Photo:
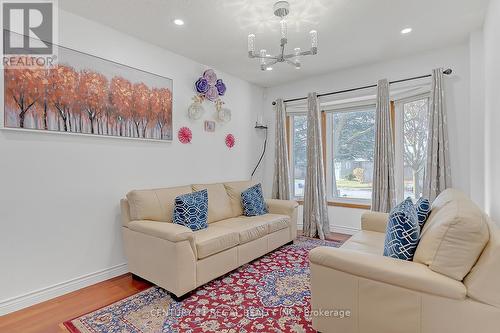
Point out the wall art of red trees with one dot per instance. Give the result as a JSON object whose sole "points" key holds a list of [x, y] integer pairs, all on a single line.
{"points": [[63, 99]]}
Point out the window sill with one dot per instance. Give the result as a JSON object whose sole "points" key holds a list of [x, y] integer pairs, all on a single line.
{"points": [[342, 204]]}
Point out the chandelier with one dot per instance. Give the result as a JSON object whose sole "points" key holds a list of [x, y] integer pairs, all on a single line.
{"points": [[281, 9]]}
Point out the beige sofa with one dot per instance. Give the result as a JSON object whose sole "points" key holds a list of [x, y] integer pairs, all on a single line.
{"points": [[452, 285], [179, 260]]}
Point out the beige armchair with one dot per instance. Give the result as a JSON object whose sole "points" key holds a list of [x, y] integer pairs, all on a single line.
{"points": [[452, 285]]}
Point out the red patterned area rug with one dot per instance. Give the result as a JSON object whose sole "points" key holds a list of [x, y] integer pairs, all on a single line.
{"points": [[270, 294]]}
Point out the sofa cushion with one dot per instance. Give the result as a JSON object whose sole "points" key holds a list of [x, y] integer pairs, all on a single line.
{"points": [[367, 242], [154, 204], [403, 232], [219, 204], [253, 227], [454, 235], [277, 222], [253, 202], [248, 229], [234, 190], [191, 210], [213, 240], [423, 208]]}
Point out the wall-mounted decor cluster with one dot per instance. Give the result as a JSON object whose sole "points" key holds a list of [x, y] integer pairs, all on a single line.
{"points": [[209, 88], [84, 94]]}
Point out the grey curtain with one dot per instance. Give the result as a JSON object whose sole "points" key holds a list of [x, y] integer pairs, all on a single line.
{"points": [[281, 179], [437, 171], [384, 194], [316, 222]]}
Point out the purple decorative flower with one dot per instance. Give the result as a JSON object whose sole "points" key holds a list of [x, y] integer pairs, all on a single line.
{"points": [[210, 76], [201, 85], [212, 93], [221, 87]]}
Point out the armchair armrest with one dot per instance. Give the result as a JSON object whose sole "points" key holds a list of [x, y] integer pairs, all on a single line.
{"points": [[374, 221], [168, 231], [404, 274], [284, 207]]}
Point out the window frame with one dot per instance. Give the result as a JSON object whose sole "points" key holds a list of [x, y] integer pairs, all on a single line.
{"points": [[328, 146], [398, 137], [290, 136], [327, 141]]}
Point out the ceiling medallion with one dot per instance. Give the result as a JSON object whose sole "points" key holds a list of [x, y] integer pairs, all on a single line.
{"points": [[281, 9]]}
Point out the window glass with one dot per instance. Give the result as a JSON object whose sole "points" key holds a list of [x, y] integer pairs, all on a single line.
{"points": [[353, 144], [299, 165], [415, 132]]}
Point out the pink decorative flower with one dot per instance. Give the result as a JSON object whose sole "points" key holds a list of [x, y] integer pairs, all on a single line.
{"points": [[210, 76], [212, 93], [185, 135], [230, 141]]}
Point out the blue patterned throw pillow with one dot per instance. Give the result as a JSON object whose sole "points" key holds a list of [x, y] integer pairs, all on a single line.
{"points": [[423, 208], [253, 202], [403, 232], [191, 210]]}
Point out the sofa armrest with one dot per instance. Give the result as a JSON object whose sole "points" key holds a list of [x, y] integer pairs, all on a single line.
{"points": [[374, 221], [283, 207], [168, 231], [404, 274]]}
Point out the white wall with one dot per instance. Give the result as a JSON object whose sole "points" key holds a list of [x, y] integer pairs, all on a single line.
{"points": [[457, 87], [492, 104], [59, 194], [477, 118]]}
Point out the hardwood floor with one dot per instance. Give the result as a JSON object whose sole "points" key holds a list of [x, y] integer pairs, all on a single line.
{"points": [[47, 317]]}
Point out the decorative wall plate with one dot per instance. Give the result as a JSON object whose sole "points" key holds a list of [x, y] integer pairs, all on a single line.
{"points": [[224, 115], [195, 111], [230, 141], [185, 135]]}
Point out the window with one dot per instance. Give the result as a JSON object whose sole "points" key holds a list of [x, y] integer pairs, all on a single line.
{"points": [[411, 145], [350, 143], [298, 153]]}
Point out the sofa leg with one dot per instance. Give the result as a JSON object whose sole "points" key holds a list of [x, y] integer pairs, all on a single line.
{"points": [[179, 299], [137, 277]]}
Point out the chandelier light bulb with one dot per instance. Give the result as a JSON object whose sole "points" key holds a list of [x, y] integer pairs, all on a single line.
{"points": [[263, 57], [251, 43], [297, 56], [314, 39]]}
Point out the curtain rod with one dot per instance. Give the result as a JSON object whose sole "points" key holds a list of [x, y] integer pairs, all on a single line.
{"points": [[446, 71]]}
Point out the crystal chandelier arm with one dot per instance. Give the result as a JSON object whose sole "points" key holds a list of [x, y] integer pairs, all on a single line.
{"points": [[272, 62], [303, 53], [264, 57]]}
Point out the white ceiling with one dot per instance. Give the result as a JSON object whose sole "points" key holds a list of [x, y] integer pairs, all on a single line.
{"points": [[350, 32]]}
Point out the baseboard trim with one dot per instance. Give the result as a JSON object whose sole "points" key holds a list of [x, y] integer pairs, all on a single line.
{"points": [[336, 228], [19, 302], [344, 230]]}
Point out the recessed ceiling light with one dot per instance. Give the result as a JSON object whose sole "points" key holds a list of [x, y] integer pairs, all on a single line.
{"points": [[178, 22], [269, 68], [406, 31]]}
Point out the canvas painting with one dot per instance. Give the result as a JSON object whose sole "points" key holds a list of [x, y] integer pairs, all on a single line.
{"points": [[84, 94]]}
